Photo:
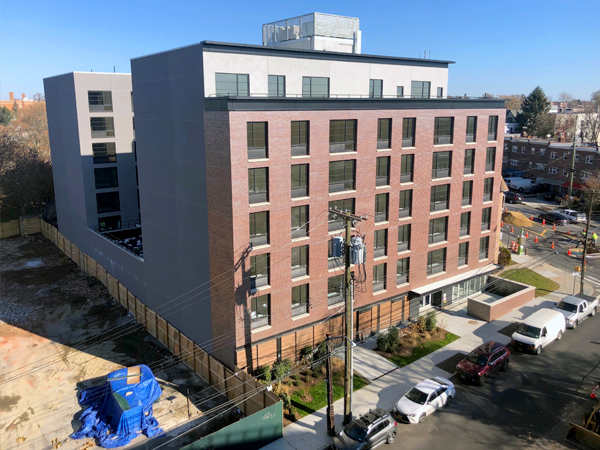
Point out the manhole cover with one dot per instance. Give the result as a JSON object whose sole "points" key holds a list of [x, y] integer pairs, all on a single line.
{"points": [[449, 365], [473, 322]]}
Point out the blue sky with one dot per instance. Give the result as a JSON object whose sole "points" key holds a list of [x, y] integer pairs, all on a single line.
{"points": [[499, 47]]}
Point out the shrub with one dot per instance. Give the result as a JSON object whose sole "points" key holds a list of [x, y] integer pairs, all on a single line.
{"points": [[393, 337], [263, 373], [421, 322], [281, 368], [430, 321], [383, 343], [286, 399], [320, 355], [306, 352], [504, 256]]}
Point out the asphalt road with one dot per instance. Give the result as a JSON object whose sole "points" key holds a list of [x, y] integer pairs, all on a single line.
{"points": [[528, 406]]}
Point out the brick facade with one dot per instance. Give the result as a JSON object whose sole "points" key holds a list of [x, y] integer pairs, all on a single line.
{"points": [[229, 130]]}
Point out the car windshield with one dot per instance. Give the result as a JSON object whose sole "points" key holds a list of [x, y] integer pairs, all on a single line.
{"points": [[416, 396], [476, 358], [355, 432], [569, 307], [526, 330]]}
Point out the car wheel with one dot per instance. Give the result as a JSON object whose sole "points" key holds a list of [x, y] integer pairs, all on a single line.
{"points": [[422, 418], [559, 336], [482, 380], [504, 366], [449, 400], [538, 350], [391, 438], [593, 313], [575, 324]]}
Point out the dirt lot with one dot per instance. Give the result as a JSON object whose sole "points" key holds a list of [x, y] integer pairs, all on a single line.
{"points": [[49, 310]]}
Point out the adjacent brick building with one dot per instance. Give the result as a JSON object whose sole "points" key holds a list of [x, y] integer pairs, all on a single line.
{"points": [[243, 149]]}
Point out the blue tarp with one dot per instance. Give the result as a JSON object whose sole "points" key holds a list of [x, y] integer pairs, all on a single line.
{"points": [[118, 412]]}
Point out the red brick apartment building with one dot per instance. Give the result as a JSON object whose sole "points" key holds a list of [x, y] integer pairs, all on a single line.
{"points": [[241, 152]]}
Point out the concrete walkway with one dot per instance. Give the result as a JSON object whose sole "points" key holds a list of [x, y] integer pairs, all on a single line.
{"points": [[310, 432]]}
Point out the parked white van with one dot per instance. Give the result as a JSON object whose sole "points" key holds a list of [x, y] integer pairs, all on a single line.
{"points": [[538, 330], [519, 183]]}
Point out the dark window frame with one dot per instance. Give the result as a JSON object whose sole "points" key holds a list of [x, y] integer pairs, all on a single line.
{"points": [[379, 277], [308, 90], [436, 261], [484, 247], [404, 235], [375, 88], [471, 135], [384, 133], [488, 189], [441, 165], [486, 219], [260, 311], [106, 177], [300, 221], [405, 205], [106, 204], [300, 140], [382, 171], [400, 91], [100, 101], [443, 130], [259, 234], [300, 299], [258, 147], [469, 162], [342, 136], [102, 127], [104, 152], [463, 254], [278, 83], [439, 198], [300, 180], [380, 241], [347, 181], [242, 85], [468, 198], [490, 159], [260, 270], [409, 128], [492, 128], [300, 261], [406, 172], [402, 270], [335, 288], [438, 230], [255, 195], [418, 90], [465, 228], [382, 207]]}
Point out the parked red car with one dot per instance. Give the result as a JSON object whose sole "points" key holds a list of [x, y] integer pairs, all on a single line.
{"points": [[483, 361]]}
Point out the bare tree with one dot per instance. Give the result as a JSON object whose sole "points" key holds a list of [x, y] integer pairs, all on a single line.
{"points": [[590, 126], [31, 128], [39, 97], [565, 97], [595, 98], [513, 102]]}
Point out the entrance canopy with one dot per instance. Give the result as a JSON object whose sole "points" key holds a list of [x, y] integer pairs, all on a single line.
{"points": [[453, 280]]}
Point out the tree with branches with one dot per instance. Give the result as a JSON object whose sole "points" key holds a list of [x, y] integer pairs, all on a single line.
{"points": [[535, 118], [513, 102]]}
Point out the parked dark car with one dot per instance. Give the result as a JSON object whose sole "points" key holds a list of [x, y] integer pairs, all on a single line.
{"points": [[553, 218], [550, 196], [367, 431], [513, 197], [483, 361]]}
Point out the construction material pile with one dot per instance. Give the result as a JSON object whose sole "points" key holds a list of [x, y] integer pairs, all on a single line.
{"points": [[517, 219]]}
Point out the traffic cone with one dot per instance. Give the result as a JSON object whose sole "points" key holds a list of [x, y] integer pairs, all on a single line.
{"points": [[552, 245], [543, 221], [535, 239], [531, 218], [501, 223], [526, 234], [511, 229], [569, 231], [505, 209], [554, 226], [569, 252]]}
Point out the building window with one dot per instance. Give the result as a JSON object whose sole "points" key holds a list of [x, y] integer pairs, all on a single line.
{"points": [[404, 238], [300, 138], [486, 217], [488, 187], [342, 136], [443, 130], [540, 166], [341, 175], [315, 87], [259, 228], [400, 91], [402, 269], [490, 159], [346, 205], [492, 128], [380, 243], [442, 162], [589, 159], [440, 197], [408, 131], [542, 151], [300, 180], [104, 152], [260, 311], [406, 168], [420, 89], [335, 289], [467, 193], [384, 133], [553, 170], [465, 223], [463, 254], [381, 208], [405, 209], [436, 261], [469, 162], [232, 84], [375, 88], [383, 171], [438, 230], [565, 172], [299, 221], [100, 101], [257, 140], [259, 271], [258, 185], [108, 202], [440, 92], [471, 129], [299, 300], [299, 261], [379, 277], [484, 247], [276, 86], [106, 178], [576, 157], [102, 127], [585, 175], [109, 223], [514, 148], [565, 155]]}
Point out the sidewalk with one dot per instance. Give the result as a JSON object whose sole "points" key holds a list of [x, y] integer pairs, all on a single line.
{"points": [[390, 383]]}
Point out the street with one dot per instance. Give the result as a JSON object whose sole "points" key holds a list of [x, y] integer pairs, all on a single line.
{"points": [[528, 406]]}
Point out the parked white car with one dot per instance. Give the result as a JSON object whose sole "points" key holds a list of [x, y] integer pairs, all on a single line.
{"points": [[574, 216], [423, 399], [577, 308]]}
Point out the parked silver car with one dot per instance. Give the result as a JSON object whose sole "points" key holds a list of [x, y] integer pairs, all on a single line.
{"points": [[574, 216], [367, 431]]}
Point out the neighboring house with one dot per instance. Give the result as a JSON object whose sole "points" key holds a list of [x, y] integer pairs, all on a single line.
{"points": [[510, 126], [242, 150], [20, 102], [585, 124], [549, 163]]}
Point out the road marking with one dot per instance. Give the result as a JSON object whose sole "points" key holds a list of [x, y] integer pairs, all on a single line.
{"points": [[591, 281], [595, 279]]}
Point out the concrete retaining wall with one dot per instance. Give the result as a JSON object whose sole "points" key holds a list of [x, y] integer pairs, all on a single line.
{"points": [[523, 293]]}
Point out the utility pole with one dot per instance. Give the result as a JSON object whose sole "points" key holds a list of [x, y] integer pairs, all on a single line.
{"points": [[330, 416], [585, 241], [572, 169], [348, 373]]}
